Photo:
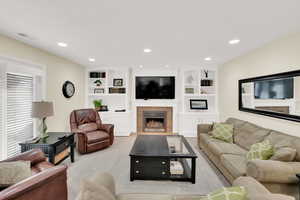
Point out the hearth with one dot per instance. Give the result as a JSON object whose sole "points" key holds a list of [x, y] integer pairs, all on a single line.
{"points": [[154, 119]]}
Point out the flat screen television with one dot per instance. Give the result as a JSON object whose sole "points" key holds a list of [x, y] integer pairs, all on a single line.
{"points": [[274, 89], [155, 87]]}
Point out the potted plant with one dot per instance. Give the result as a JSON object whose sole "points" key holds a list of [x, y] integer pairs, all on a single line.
{"points": [[97, 104], [98, 82]]}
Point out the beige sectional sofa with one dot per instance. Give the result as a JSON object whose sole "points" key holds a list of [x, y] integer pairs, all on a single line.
{"points": [[255, 191], [230, 159]]}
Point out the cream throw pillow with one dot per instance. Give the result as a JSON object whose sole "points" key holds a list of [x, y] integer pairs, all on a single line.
{"points": [[223, 131], [285, 154], [231, 193], [92, 191], [14, 172], [262, 151]]}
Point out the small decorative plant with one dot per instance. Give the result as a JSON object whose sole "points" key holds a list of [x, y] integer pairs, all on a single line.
{"points": [[97, 104], [98, 82]]}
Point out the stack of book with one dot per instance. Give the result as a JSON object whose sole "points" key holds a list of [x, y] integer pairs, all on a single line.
{"points": [[176, 168]]}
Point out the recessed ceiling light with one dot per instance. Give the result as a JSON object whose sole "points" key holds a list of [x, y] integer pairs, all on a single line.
{"points": [[166, 66], [234, 41], [92, 59], [62, 44], [147, 50], [208, 59], [141, 66]]}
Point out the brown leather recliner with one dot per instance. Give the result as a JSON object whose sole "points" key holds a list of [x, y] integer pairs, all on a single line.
{"points": [[47, 182], [91, 134]]}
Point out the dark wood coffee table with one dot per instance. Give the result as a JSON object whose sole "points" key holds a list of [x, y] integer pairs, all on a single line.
{"points": [[152, 155]]}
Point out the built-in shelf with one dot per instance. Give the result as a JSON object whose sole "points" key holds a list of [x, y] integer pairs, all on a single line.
{"points": [[105, 94], [199, 95], [199, 84], [117, 79], [198, 113]]}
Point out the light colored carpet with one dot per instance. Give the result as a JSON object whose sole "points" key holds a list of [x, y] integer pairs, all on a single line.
{"points": [[115, 160]]}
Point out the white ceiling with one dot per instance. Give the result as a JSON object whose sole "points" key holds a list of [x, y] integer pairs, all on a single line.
{"points": [[180, 32]]}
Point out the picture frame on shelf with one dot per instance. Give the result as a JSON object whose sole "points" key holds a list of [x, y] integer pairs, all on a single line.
{"points": [[113, 90], [97, 74], [198, 104], [99, 91], [189, 91], [206, 82], [118, 82]]}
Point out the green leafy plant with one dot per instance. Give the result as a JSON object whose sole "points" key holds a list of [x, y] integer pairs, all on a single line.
{"points": [[98, 82], [97, 103]]}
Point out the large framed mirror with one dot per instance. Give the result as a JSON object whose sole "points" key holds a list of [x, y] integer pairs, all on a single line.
{"points": [[276, 95]]}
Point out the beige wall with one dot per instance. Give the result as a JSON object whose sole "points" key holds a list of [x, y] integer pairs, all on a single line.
{"points": [[58, 70], [278, 56]]}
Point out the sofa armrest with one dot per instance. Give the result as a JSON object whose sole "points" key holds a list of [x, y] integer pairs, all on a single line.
{"points": [[34, 156], [270, 171], [204, 128], [109, 128], [256, 191], [106, 180], [47, 185]]}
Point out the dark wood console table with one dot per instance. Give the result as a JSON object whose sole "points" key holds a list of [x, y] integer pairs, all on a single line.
{"points": [[57, 147]]}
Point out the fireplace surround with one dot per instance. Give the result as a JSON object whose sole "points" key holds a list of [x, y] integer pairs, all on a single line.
{"points": [[154, 120]]}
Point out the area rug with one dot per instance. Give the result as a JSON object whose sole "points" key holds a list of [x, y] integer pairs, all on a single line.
{"points": [[115, 160]]}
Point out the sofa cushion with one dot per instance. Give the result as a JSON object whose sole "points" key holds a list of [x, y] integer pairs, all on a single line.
{"points": [[96, 136], [278, 140], [262, 151], [219, 147], [249, 134], [284, 154], [37, 168], [205, 138], [145, 197], [223, 132], [235, 164], [88, 127], [230, 193], [237, 123], [14, 172]]}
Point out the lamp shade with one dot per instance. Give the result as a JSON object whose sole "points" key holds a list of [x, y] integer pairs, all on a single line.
{"points": [[42, 109]]}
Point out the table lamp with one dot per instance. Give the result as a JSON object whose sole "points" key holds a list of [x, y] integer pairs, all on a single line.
{"points": [[42, 110]]}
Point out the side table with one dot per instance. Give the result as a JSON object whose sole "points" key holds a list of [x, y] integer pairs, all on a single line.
{"points": [[57, 147]]}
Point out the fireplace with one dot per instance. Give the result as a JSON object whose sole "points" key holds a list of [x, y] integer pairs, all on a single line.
{"points": [[154, 120]]}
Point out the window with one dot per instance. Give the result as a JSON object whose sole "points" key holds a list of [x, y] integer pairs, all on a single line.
{"points": [[2, 85], [20, 84], [19, 108]]}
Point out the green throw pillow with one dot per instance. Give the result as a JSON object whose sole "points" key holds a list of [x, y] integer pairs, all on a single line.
{"points": [[223, 131], [262, 151], [231, 193]]}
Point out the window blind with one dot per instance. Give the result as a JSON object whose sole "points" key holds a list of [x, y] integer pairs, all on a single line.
{"points": [[2, 85], [19, 108]]}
